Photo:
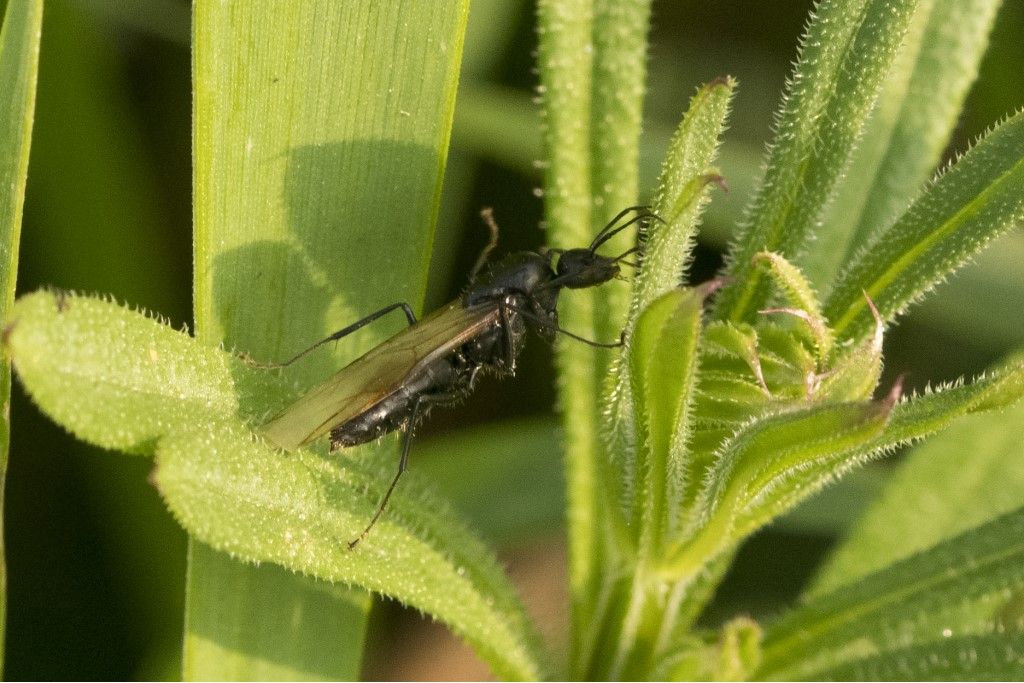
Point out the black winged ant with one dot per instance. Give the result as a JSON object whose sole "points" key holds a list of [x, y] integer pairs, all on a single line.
{"points": [[436, 360]]}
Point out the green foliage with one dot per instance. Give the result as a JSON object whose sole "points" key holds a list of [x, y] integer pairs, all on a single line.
{"points": [[950, 590], [712, 421], [156, 390], [844, 59], [19, 65], [295, 144], [978, 198]]}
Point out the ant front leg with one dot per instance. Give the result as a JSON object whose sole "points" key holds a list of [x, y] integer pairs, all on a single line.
{"points": [[548, 325], [507, 339]]}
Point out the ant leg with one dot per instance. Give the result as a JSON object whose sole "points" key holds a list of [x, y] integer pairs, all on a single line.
{"points": [[403, 464], [547, 324], [481, 260], [345, 331], [510, 350]]}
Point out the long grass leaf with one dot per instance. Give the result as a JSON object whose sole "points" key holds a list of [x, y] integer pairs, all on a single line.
{"points": [[320, 136], [19, 67]]}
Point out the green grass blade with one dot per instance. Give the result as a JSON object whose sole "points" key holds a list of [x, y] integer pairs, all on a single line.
{"points": [[924, 598], [19, 67], [936, 493], [844, 59], [122, 380], [978, 198], [328, 609], [320, 136], [904, 140], [990, 657]]}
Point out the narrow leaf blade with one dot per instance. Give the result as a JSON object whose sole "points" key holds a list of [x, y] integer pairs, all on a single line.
{"points": [[844, 59], [990, 657], [311, 120], [19, 68], [978, 198], [938, 491], [913, 601], [663, 367], [904, 140]]}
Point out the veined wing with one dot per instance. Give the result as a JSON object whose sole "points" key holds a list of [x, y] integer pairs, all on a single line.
{"points": [[378, 373]]}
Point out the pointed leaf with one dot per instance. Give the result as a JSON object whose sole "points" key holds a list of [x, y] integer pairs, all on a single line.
{"points": [[844, 60], [119, 379], [917, 110], [939, 490], [683, 190], [914, 601], [747, 484], [978, 198], [241, 496], [663, 367]]}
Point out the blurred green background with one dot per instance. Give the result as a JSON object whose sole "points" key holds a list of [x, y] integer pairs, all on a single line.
{"points": [[96, 565]]}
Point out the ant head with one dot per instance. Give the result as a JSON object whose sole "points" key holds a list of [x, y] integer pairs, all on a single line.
{"points": [[578, 268]]}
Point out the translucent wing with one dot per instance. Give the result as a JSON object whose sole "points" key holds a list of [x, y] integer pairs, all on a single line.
{"points": [[367, 380]]}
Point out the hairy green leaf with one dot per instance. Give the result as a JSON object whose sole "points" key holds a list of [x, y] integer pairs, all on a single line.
{"points": [[19, 67], [591, 59], [989, 657], [241, 496], [620, 76], [910, 420], [122, 380], [909, 129], [663, 368], [565, 61], [908, 603], [975, 200], [844, 59], [750, 480], [681, 195], [802, 300], [937, 492]]}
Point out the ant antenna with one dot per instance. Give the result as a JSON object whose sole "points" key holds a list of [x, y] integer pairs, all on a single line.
{"points": [[610, 230], [641, 209]]}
